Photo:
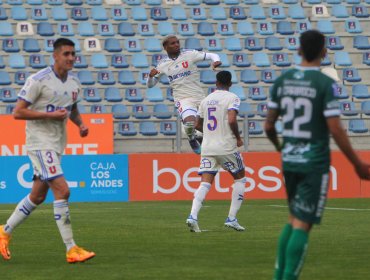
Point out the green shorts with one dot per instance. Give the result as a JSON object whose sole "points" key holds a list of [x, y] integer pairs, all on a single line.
{"points": [[307, 193]]}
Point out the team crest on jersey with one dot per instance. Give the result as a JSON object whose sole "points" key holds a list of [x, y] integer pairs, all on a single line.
{"points": [[185, 64], [298, 75]]}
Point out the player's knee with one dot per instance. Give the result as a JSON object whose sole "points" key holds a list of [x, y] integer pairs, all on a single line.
{"points": [[37, 198], [64, 193]]}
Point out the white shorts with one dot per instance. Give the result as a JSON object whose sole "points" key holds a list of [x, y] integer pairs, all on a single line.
{"points": [[211, 164], [188, 107], [46, 164]]}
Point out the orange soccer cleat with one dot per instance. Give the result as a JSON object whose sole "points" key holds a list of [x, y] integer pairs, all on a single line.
{"points": [[4, 243], [78, 254]]}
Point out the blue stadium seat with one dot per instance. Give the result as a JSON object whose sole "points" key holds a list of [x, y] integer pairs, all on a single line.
{"points": [[106, 77], [239, 91], [152, 45], [193, 43], [154, 94], [119, 61], [140, 111], [45, 29], [139, 14], [10, 45], [296, 11], [224, 60], [158, 13], [18, 13], [48, 44], [2, 64], [341, 92], [357, 126], [20, 77], [245, 109], [85, 28], [112, 94], [153, 2], [132, 2], [255, 127], [16, 61], [262, 109], [65, 29], [37, 61], [248, 76], [34, 2], [105, 29], [4, 78], [143, 76], [120, 111], [292, 43], [31, 45], [241, 60], [261, 59], [353, 26], [3, 15], [79, 13], [193, 2], [125, 29], [342, 58], [297, 59], [265, 28], [360, 91], [145, 29], [185, 29], [237, 13], [361, 42], [207, 77], [231, 2], [169, 94], [281, 59], [348, 108], [133, 95], [74, 2], [326, 61], [8, 95], [245, 28], [14, 2], [252, 44], [86, 77], [365, 107], [118, 13], [353, 2], [268, 75], [333, 2], [178, 13], [205, 29], [94, 2], [156, 58], [59, 13], [302, 26], [339, 11], [284, 28], [334, 43], [272, 43], [112, 45], [132, 45], [165, 28], [80, 61], [217, 13], [99, 13], [360, 11], [225, 28], [99, 60], [325, 26], [277, 12], [366, 58], [55, 2], [351, 75], [257, 12], [98, 109], [256, 93], [312, 2], [211, 2], [139, 60], [213, 44], [6, 29], [91, 94], [168, 128], [39, 13], [9, 109], [233, 44], [161, 111], [148, 128], [127, 129], [197, 13]]}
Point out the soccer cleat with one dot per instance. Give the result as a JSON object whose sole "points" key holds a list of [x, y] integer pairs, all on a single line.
{"points": [[4, 243], [192, 224], [194, 144], [233, 224], [78, 254]]}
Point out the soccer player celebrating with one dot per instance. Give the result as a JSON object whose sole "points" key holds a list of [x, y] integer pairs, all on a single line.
{"points": [[181, 69], [217, 119], [305, 99], [46, 101]]}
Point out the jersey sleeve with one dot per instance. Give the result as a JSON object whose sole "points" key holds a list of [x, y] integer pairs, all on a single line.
{"points": [[331, 105], [30, 91], [196, 56], [200, 112], [234, 103]]}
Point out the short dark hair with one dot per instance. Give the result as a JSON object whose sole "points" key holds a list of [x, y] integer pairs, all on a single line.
{"points": [[224, 77], [312, 43], [62, 42], [165, 39]]}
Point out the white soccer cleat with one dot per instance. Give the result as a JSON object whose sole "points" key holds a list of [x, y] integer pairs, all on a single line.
{"points": [[192, 224], [233, 224]]}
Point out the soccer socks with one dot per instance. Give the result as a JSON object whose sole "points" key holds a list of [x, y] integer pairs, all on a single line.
{"points": [[189, 130], [295, 254], [61, 215], [21, 212], [237, 197], [280, 257], [199, 197]]}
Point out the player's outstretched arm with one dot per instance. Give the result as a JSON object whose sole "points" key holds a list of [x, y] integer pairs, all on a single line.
{"points": [[272, 116], [341, 138]]}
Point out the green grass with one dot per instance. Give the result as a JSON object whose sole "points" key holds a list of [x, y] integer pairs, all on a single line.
{"points": [[149, 240]]}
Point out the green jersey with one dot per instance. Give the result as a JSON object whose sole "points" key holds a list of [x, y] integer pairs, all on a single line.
{"points": [[305, 97]]}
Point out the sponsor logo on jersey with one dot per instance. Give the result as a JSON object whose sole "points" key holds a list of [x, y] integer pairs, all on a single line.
{"points": [[178, 76]]}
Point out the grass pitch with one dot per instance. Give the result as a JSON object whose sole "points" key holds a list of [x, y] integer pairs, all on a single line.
{"points": [[150, 240]]}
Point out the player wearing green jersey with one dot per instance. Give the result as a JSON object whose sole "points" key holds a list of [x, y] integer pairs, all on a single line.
{"points": [[305, 99]]}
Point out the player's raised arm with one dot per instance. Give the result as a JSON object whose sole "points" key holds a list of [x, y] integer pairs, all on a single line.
{"points": [[152, 78], [216, 61]]}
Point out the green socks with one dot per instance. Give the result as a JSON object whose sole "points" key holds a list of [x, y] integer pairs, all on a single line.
{"points": [[280, 258]]}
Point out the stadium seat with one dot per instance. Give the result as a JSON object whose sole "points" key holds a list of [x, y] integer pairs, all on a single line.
{"points": [[112, 94], [106, 77], [65, 29], [255, 127], [272, 43], [148, 128], [18, 13], [59, 13], [193, 44], [353, 26], [2, 64], [205, 29], [334, 43], [74, 2], [168, 128], [48, 44], [10, 45], [348, 108], [31, 45], [98, 109], [245, 28], [361, 42], [256, 93], [248, 76], [112, 45], [252, 44], [284, 28], [342, 58], [325, 26], [319, 11], [8, 95], [158, 13], [98, 13], [262, 109], [261, 59], [4, 78], [178, 13], [333, 2], [105, 29], [45, 29], [197, 13], [360, 91], [257, 13], [265, 28], [94, 2], [39, 13], [133, 95], [357, 126], [185, 29], [225, 28], [296, 11], [365, 107], [120, 112], [152, 45], [165, 28], [277, 12], [351, 75], [341, 92], [217, 13], [14, 2], [241, 60], [143, 76], [16, 61], [231, 2], [85, 28], [119, 61], [140, 111], [139, 60], [132, 2], [239, 91], [192, 2], [302, 26], [292, 43], [237, 13], [233, 44], [213, 44], [132, 45], [339, 11], [245, 109], [23, 28], [118, 13], [268, 75], [37, 61], [161, 111], [153, 2], [85, 77], [54, 2], [360, 11], [281, 59], [91, 94], [127, 129], [98, 60], [139, 14], [125, 29], [145, 29], [366, 58], [3, 15], [92, 45], [211, 2], [20, 77], [207, 77], [251, 2]]}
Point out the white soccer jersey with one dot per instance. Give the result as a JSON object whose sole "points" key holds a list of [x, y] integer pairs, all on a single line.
{"points": [[183, 74], [46, 93], [218, 139]]}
